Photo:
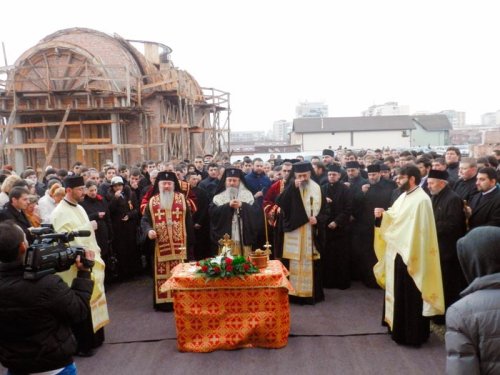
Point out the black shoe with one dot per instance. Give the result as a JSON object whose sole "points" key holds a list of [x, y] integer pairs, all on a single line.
{"points": [[88, 353]]}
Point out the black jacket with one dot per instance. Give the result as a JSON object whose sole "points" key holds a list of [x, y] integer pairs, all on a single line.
{"points": [[466, 189], [36, 318], [485, 209], [11, 213], [209, 184]]}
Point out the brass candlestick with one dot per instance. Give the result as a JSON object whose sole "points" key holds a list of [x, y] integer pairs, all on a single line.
{"points": [[267, 248], [183, 251]]}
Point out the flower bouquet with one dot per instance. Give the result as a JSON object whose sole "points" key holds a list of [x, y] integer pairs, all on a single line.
{"points": [[225, 266]]}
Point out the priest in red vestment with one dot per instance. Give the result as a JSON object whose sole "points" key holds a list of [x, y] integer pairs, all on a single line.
{"points": [[273, 212], [167, 221]]}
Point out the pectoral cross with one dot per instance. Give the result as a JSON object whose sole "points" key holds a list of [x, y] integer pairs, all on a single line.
{"points": [[159, 214], [177, 213]]}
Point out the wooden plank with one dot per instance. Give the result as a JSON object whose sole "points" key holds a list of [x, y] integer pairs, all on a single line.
{"points": [[8, 128], [95, 147], [174, 126], [69, 123], [24, 146], [111, 146], [53, 147], [151, 85], [75, 140]]}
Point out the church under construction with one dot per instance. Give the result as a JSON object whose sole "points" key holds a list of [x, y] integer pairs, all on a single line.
{"points": [[83, 95]]}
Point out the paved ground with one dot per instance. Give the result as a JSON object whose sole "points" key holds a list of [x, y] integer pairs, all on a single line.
{"points": [[342, 335]]}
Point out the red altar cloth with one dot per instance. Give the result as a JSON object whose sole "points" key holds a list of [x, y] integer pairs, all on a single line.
{"points": [[230, 313]]}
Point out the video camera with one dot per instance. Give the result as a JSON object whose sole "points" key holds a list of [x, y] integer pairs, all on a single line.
{"points": [[51, 253]]}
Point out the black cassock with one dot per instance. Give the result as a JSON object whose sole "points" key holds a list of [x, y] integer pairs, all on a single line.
{"points": [[377, 196], [450, 226], [294, 216], [251, 218], [358, 228], [335, 256], [124, 241], [202, 248], [409, 327]]}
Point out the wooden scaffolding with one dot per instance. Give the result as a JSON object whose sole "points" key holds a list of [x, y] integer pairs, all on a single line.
{"points": [[59, 105]]}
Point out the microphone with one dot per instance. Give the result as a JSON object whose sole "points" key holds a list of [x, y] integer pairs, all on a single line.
{"points": [[67, 236], [81, 233]]}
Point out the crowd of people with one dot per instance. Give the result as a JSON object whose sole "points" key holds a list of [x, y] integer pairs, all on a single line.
{"points": [[387, 218]]}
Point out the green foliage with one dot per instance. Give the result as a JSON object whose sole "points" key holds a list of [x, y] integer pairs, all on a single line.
{"points": [[225, 267]]}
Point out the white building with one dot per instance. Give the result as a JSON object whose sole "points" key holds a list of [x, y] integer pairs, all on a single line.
{"points": [[282, 130], [491, 119], [248, 137], [387, 109], [370, 132], [311, 109], [456, 118]]}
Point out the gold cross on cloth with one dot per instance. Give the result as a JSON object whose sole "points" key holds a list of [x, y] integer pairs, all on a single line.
{"points": [[159, 214], [177, 213]]}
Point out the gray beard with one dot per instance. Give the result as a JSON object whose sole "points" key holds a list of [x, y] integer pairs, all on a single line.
{"points": [[166, 199], [233, 192], [304, 184]]}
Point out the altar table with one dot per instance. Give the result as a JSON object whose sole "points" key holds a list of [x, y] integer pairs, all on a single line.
{"points": [[230, 313]]}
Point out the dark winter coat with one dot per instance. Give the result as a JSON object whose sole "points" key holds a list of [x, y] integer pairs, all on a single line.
{"points": [[9, 212], [473, 329], [466, 189], [485, 209], [36, 318], [450, 226]]}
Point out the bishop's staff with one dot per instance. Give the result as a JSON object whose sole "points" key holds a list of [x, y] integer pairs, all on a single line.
{"points": [[311, 200], [238, 218]]}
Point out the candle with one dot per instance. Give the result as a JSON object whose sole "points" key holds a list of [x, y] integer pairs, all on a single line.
{"points": [[265, 227]]}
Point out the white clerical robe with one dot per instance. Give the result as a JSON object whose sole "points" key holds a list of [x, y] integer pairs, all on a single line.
{"points": [[66, 218], [408, 229]]}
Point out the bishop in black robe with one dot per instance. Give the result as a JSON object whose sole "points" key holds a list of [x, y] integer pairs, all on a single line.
{"points": [[234, 211]]}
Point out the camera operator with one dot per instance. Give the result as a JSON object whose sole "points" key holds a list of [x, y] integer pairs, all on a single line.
{"points": [[36, 315]]}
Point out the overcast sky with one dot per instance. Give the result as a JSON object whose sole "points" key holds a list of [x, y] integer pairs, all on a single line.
{"points": [[429, 54]]}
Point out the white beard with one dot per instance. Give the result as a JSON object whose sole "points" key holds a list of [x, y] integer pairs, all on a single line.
{"points": [[166, 199]]}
